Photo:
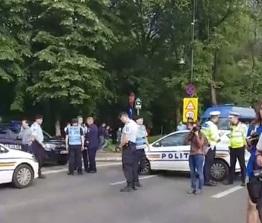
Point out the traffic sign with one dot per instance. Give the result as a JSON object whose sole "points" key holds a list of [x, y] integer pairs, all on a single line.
{"points": [[138, 105], [190, 109], [191, 90]]}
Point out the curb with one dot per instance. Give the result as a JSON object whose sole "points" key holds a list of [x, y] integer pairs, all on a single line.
{"points": [[107, 159]]}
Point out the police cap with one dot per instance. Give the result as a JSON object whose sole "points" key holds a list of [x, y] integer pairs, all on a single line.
{"points": [[215, 113], [74, 120], [233, 114]]}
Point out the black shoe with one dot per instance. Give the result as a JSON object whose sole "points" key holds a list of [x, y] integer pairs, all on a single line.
{"points": [[126, 189], [41, 176], [243, 184], [134, 188], [210, 184], [80, 173], [213, 182], [92, 171], [138, 184], [70, 174]]}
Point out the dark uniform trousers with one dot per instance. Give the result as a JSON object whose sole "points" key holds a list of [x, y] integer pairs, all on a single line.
{"points": [[25, 148], [129, 162], [209, 160], [39, 152], [140, 161], [92, 158], [75, 158], [237, 154], [89, 157], [85, 159]]}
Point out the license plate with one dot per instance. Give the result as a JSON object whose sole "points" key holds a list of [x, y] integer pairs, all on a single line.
{"points": [[64, 152]]}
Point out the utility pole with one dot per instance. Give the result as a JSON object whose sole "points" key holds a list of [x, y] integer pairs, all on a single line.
{"points": [[193, 39]]}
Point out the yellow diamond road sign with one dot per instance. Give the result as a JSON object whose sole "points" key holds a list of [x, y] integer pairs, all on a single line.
{"points": [[190, 109]]}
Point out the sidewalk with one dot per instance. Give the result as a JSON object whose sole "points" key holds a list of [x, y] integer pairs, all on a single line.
{"points": [[108, 156]]}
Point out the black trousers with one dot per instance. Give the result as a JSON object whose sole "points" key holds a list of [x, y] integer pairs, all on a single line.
{"points": [[209, 160], [237, 154], [39, 152], [85, 159], [75, 159], [92, 158], [129, 163], [140, 161], [25, 148]]}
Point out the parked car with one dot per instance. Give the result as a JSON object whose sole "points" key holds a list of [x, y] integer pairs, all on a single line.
{"points": [[17, 167], [171, 152], [55, 148]]}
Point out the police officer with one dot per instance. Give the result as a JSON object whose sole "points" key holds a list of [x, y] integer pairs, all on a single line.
{"points": [[26, 136], [74, 144], [237, 146], [141, 144], [37, 146], [92, 143], [210, 130], [128, 145]]}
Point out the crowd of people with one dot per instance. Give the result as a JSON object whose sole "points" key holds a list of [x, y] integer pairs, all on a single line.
{"points": [[84, 139], [203, 141]]}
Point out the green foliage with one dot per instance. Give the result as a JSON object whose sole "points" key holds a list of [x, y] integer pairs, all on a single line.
{"points": [[83, 56]]}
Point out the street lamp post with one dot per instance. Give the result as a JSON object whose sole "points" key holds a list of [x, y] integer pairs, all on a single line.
{"points": [[193, 38]]}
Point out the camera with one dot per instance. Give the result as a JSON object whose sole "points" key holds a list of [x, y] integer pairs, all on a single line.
{"points": [[195, 129], [254, 139]]}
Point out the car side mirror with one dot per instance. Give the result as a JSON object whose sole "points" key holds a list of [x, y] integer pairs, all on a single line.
{"points": [[157, 144]]}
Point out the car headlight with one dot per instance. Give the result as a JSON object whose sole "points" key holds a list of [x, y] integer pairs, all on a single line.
{"points": [[49, 147]]}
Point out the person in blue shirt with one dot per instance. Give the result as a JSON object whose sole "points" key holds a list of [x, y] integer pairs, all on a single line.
{"points": [[254, 129], [74, 145]]}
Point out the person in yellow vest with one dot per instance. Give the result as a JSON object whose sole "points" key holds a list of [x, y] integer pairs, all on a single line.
{"points": [[210, 130], [237, 146]]}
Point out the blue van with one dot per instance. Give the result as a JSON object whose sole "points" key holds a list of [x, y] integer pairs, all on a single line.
{"points": [[247, 114]]}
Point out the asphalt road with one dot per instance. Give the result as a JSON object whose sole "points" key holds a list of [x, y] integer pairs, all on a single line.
{"points": [[96, 199]]}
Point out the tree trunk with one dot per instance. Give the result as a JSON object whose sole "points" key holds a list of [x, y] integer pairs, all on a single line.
{"points": [[213, 94], [58, 127], [213, 81]]}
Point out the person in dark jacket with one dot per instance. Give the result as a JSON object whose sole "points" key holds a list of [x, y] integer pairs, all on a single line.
{"points": [[92, 142]]}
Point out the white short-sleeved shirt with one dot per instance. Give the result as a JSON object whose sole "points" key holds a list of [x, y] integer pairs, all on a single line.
{"points": [[37, 132], [130, 130]]}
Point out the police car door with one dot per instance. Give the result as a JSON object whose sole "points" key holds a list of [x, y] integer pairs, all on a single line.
{"points": [[7, 166], [173, 151]]}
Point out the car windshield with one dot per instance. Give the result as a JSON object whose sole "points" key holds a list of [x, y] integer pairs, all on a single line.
{"points": [[225, 125]]}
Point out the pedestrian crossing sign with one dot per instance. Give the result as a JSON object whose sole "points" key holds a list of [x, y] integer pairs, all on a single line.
{"points": [[190, 109]]}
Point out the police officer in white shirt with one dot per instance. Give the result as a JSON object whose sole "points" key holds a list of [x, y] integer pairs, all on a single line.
{"points": [[37, 146], [128, 145]]}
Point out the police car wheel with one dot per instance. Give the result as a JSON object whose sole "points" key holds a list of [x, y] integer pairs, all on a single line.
{"points": [[219, 170], [23, 176], [147, 169]]}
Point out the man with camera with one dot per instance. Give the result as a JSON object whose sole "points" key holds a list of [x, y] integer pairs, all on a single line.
{"points": [[197, 142]]}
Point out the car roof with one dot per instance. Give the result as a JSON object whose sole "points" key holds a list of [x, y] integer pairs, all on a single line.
{"points": [[225, 110]]}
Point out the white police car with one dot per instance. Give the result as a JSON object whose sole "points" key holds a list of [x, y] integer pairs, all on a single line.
{"points": [[17, 167], [171, 152]]}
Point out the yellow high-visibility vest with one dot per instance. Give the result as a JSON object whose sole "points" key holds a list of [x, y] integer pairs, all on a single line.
{"points": [[237, 136], [210, 130]]}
